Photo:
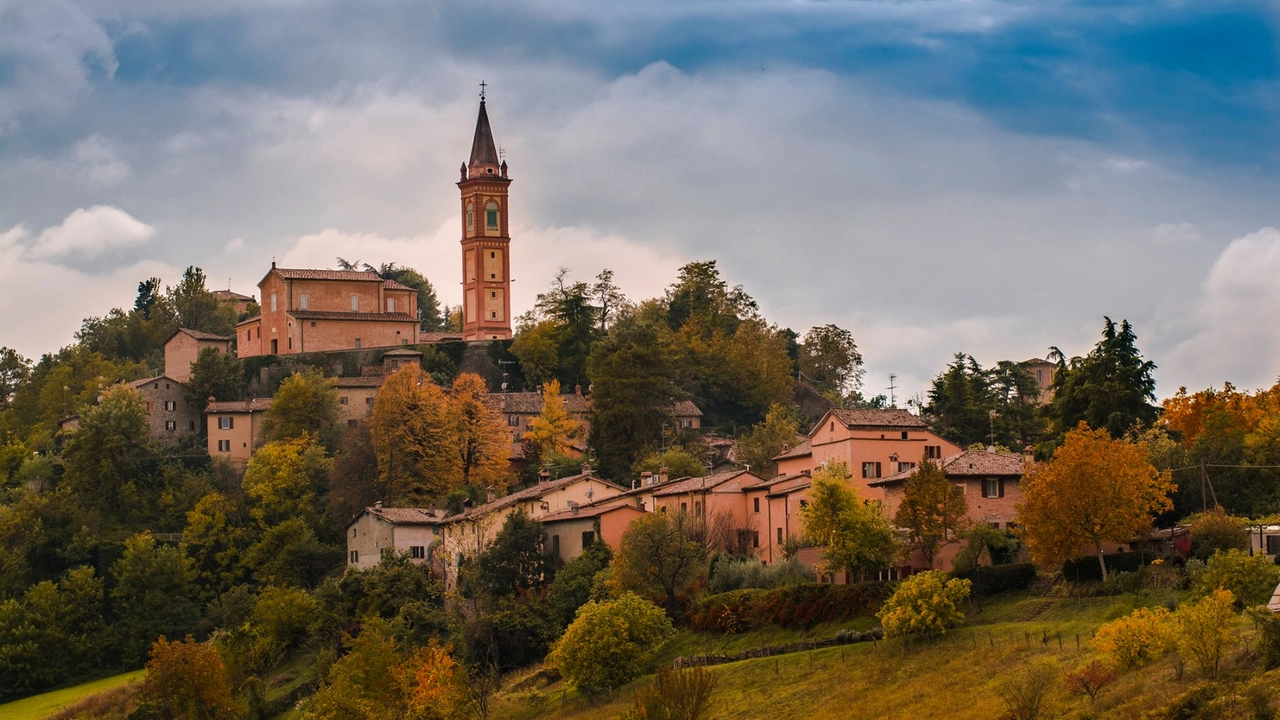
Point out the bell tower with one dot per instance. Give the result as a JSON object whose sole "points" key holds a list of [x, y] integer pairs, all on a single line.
{"points": [[486, 241]]}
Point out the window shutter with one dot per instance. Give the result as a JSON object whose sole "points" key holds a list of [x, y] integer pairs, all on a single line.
{"points": [[1001, 484], [877, 469]]}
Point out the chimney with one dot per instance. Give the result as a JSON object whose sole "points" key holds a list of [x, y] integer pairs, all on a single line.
{"points": [[544, 476], [377, 505], [491, 494], [646, 478], [662, 475], [577, 389], [1028, 456], [586, 468]]}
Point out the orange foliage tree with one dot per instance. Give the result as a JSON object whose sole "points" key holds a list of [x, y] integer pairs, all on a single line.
{"points": [[188, 680], [434, 685], [481, 438], [1096, 490], [1188, 413], [415, 438]]}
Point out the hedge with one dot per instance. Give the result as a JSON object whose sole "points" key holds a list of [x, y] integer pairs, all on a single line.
{"points": [[794, 606], [1086, 569], [993, 579]]}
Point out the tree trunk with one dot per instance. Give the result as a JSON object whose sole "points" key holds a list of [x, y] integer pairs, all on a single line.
{"points": [[1101, 561]]}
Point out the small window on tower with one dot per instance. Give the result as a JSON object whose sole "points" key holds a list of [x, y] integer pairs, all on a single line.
{"points": [[355, 303], [471, 218], [491, 216], [302, 301]]}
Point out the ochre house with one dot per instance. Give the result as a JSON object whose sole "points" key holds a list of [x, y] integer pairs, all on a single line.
{"points": [[184, 346]]}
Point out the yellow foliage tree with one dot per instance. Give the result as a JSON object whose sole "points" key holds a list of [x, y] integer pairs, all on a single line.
{"points": [[1206, 629], [434, 685], [480, 436], [554, 429], [188, 680], [1135, 639], [415, 437], [1096, 490]]}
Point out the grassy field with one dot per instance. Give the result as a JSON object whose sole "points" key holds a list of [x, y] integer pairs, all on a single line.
{"points": [[956, 677], [41, 706]]}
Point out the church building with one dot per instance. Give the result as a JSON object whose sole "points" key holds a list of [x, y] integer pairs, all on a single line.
{"points": [[486, 239]]}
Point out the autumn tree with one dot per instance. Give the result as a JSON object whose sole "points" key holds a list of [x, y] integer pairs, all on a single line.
{"points": [[306, 403], [1206, 631], [481, 435], [1096, 490], [414, 438], [656, 558], [830, 359], [854, 535], [554, 430], [608, 642], [932, 511], [287, 479], [767, 440], [188, 680]]}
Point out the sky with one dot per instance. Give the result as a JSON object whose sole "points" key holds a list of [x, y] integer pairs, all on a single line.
{"points": [[936, 176]]}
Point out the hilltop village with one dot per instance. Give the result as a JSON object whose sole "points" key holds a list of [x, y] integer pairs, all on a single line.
{"points": [[337, 498]]}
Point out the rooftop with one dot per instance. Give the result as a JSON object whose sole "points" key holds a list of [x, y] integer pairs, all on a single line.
{"points": [[347, 275], [201, 335], [589, 511], [530, 403], [686, 408], [240, 406], [877, 418], [698, 484], [331, 315], [971, 463], [365, 381], [407, 516], [529, 493], [804, 449]]}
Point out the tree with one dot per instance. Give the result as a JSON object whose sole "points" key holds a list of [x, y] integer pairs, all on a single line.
{"points": [[678, 462], [609, 299], [608, 643], [684, 694], [1250, 578], [571, 588], [148, 297], [365, 683], [1111, 388], [289, 553], [535, 347], [414, 438], [967, 403], [428, 305], [154, 594], [932, 511], [14, 371], [1215, 530], [926, 603], [700, 296], [286, 479], [1025, 689], [216, 538], [1096, 490], [214, 374], [830, 359], [855, 536], [514, 562], [554, 430], [1136, 639], [482, 447], [188, 680], [1206, 629], [632, 393], [656, 558], [192, 306], [306, 403], [436, 686], [102, 455], [767, 440]]}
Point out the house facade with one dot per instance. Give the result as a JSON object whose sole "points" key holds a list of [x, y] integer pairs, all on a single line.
{"points": [[379, 530], [306, 310], [184, 346], [171, 417], [235, 429], [571, 530], [355, 397]]}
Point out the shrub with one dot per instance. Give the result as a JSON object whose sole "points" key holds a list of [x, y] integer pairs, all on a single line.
{"points": [[1090, 679], [511, 637], [1268, 624], [729, 573], [609, 642], [794, 606], [1136, 639], [994, 579], [675, 695], [1250, 579], [924, 604], [1086, 569], [1215, 530], [1205, 631], [187, 680], [1025, 690]]}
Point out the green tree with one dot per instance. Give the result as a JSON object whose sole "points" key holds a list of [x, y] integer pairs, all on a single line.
{"points": [[609, 299], [515, 561], [1111, 388], [14, 371], [290, 554], [700, 296], [767, 440], [148, 297], [1250, 578], [216, 537], [632, 393], [608, 643], [1215, 530], [830, 359], [191, 305], [428, 305], [214, 374], [932, 511], [306, 403], [968, 402], [571, 588], [103, 454], [576, 323], [286, 479], [854, 535], [1206, 630], [656, 558], [678, 462], [535, 347], [926, 603], [154, 595]]}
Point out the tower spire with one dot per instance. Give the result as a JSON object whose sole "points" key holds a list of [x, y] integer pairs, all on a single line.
{"points": [[484, 151]]}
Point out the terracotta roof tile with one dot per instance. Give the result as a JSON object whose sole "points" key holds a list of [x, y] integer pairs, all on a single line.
{"points": [[230, 295], [530, 493], [147, 381], [971, 463], [402, 352], [331, 315], [202, 335], [364, 381], [240, 406], [408, 516], [804, 449], [313, 274], [589, 511], [530, 403], [699, 484], [686, 408], [435, 337]]}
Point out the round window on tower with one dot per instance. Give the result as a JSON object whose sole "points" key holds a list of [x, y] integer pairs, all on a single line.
{"points": [[491, 216]]}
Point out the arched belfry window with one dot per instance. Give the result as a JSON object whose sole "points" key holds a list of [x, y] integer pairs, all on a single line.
{"points": [[491, 216], [471, 217]]}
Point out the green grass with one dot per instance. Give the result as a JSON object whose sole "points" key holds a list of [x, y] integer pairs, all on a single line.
{"points": [[44, 705]]}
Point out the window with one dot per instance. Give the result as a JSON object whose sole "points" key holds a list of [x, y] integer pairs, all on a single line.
{"points": [[697, 507], [170, 425], [353, 532], [755, 539], [391, 304], [756, 504], [1273, 544], [588, 537], [342, 400], [686, 424], [684, 507], [226, 422], [870, 469], [191, 425], [290, 343], [275, 346], [368, 401], [833, 426], [992, 488], [903, 466], [302, 301], [493, 315], [354, 556], [273, 302], [170, 405], [779, 536], [417, 552], [1039, 376], [471, 217], [513, 421], [355, 303], [933, 452], [491, 216], [224, 446], [555, 544], [493, 295], [248, 335], [357, 343], [905, 434]]}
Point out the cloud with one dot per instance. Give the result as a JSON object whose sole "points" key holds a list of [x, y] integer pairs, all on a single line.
{"points": [[88, 233], [52, 50], [1237, 338]]}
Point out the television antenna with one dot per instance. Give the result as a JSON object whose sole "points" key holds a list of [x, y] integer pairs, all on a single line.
{"points": [[893, 402]]}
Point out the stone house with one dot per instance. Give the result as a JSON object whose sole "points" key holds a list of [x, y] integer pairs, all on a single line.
{"points": [[171, 416], [379, 530], [184, 346]]}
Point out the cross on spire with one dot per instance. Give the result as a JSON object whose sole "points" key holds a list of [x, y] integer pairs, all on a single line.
{"points": [[483, 84]]}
